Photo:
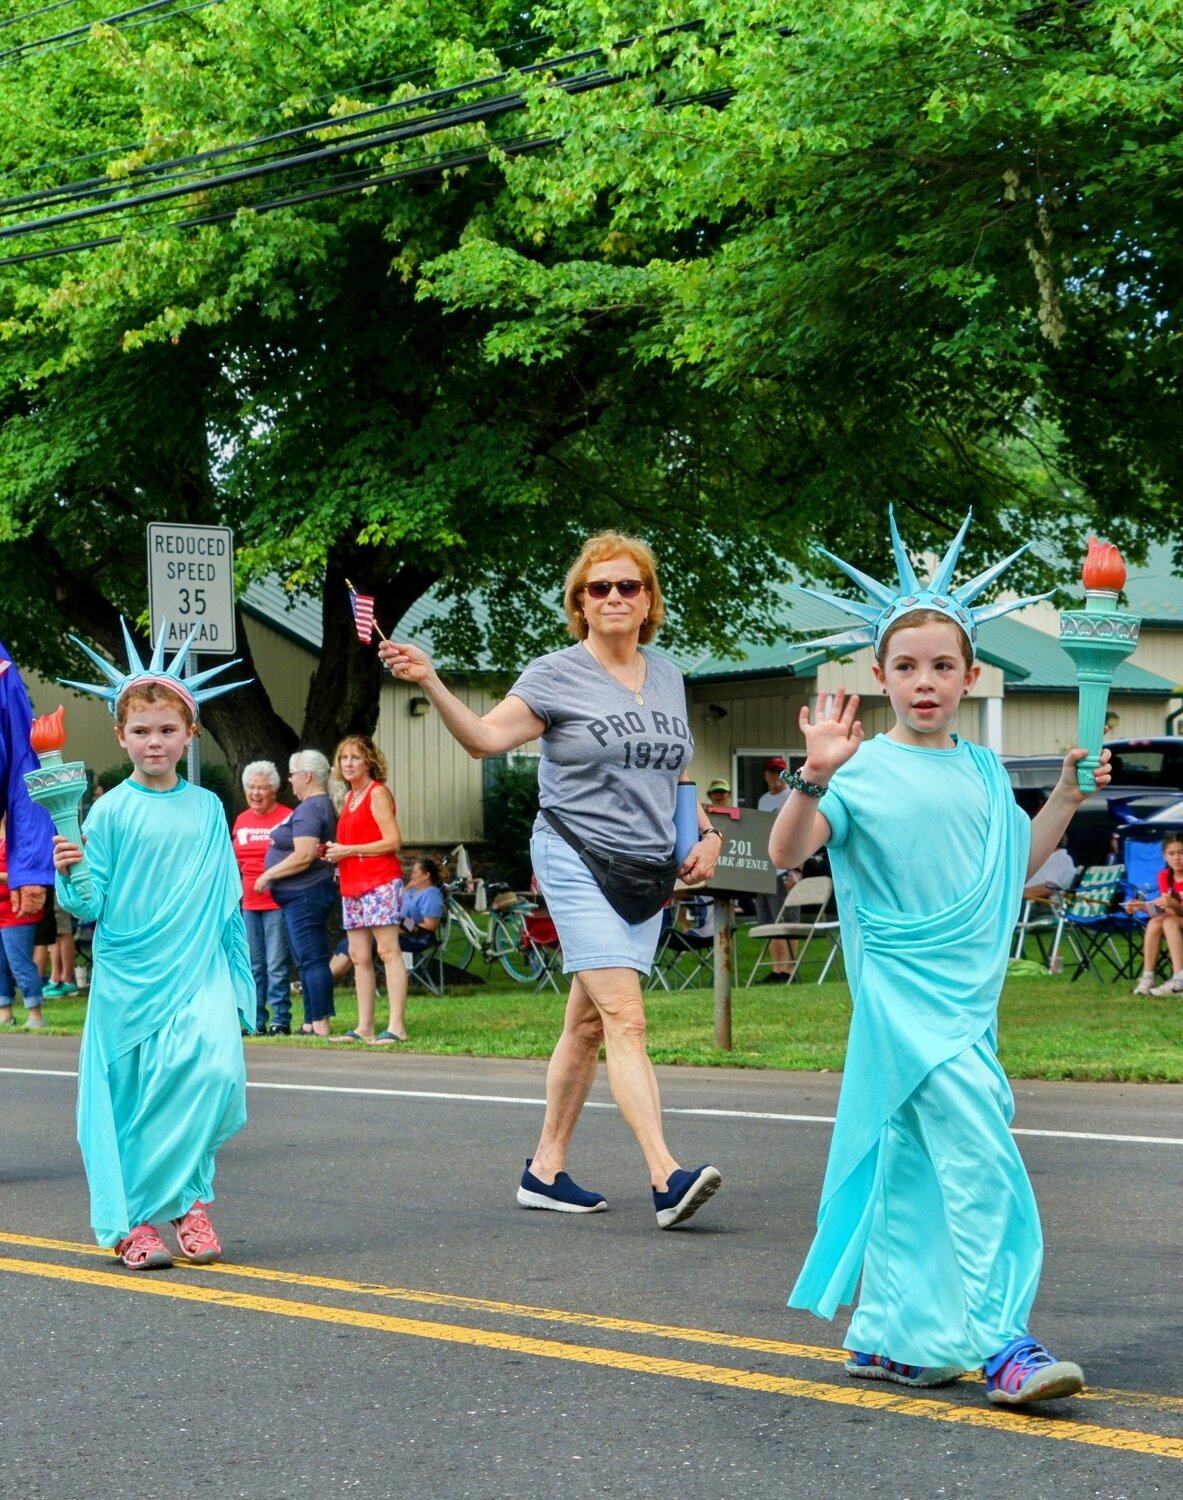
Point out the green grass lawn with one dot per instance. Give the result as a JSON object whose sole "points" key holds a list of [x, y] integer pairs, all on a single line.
{"points": [[1049, 1027]]}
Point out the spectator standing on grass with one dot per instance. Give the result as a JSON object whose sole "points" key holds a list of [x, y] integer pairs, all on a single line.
{"points": [[365, 851], [771, 800], [616, 740], [29, 827], [17, 969], [265, 932], [303, 885]]}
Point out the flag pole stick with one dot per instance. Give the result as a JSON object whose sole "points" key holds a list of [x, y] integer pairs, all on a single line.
{"points": [[377, 627]]}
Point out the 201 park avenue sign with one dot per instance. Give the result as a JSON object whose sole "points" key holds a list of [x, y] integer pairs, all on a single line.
{"points": [[191, 586]]}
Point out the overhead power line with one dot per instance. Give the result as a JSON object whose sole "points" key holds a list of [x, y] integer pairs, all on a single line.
{"points": [[87, 27], [101, 186]]}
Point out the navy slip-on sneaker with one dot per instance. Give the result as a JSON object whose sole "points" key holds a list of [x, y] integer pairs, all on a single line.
{"points": [[685, 1193], [562, 1195]]}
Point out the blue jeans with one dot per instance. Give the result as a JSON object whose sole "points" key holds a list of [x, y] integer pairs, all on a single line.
{"points": [[270, 962], [17, 943], [305, 914]]}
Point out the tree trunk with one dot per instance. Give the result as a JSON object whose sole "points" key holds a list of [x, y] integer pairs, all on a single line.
{"points": [[343, 693], [244, 723]]}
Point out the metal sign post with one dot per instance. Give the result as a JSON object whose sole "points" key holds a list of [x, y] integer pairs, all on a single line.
{"points": [[743, 868]]}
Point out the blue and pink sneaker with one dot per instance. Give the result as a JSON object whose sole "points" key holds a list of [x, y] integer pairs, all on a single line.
{"points": [[1024, 1371], [879, 1367]]}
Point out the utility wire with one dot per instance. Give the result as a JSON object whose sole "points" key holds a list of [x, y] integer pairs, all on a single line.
{"points": [[341, 91], [97, 186], [425, 125], [84, 30], [404, 174], [83, 40], [30, 15]]}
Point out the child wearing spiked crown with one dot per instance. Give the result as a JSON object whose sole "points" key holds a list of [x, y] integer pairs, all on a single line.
{"points": [[161, 1079], [925, 1194]]}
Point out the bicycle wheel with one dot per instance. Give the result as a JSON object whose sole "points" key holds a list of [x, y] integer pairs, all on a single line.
{"points": [[459, 949], [518, 959]]}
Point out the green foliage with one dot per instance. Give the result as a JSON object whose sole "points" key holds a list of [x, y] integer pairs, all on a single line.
{"points": [[511, 805], [792, 264]]}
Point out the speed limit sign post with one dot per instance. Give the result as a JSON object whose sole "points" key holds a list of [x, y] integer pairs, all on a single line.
{"points": [[191, 586]]}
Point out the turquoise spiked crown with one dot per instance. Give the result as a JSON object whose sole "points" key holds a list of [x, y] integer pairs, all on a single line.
{"points": [[192, 689], [888, 605]]}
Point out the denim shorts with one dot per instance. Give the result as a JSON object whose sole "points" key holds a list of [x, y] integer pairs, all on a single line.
{"points": [[591, 934]]}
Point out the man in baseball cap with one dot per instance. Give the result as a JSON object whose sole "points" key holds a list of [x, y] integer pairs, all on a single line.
{"points": [[719, 792]]}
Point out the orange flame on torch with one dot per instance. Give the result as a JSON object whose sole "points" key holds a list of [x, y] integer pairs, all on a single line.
{"points": [[49, 732], [1103, 568]]}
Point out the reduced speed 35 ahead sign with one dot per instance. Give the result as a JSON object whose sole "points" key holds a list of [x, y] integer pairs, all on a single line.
{"points": [[191, 586]]}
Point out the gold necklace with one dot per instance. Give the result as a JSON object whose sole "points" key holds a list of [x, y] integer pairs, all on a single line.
{"points": [[357, 798], [636, 687]]}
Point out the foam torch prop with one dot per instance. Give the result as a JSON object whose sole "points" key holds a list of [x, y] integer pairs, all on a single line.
{"points": [[1098, 638], [58, 786]]}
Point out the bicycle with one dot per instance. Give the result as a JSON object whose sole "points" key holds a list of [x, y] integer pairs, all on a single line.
{"points": [[503, 941]]}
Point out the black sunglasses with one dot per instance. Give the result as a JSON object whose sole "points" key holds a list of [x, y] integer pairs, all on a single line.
{"points": [[627, 588]]}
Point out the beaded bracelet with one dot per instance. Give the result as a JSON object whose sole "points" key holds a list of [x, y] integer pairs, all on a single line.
{"points": [[797, 783]]}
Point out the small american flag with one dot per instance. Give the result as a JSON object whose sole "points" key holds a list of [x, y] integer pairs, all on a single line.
{"points": [[363, 615]]}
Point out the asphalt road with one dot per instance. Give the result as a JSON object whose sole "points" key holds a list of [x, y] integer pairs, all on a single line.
{"points": [[388, 1323]]}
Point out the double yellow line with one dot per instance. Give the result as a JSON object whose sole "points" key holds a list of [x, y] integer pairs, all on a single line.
{"points": [[207, 1290]]}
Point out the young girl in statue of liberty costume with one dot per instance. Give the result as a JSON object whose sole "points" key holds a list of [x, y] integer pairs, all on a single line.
{"points": [[161, 1079], [925, 1193]]}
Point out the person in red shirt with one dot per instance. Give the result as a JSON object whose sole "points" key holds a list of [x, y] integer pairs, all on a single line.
{"points": [[1166, 922], [270, 959], [366, 855], [17, 931]]}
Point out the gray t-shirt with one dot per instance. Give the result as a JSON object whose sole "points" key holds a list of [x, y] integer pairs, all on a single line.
{"points": [[610, 765]]}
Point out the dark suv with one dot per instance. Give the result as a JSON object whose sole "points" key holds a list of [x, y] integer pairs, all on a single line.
{"points": [[1147, 775]]}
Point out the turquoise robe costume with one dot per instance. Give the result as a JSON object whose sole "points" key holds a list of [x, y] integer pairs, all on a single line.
{"points": [[161, 1075], [925, 1193]]}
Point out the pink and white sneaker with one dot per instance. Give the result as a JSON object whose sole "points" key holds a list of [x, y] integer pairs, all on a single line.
{"points": [[144, 1250], [198, 1242]]}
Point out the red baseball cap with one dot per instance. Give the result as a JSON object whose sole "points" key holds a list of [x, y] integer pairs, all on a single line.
{"points": [[776, 763]]}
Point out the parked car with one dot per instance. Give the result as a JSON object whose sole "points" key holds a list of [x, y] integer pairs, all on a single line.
{"points": [[1147, 777]]}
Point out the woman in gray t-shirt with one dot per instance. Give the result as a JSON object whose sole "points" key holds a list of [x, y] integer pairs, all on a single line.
{"points": [[615, 743]]}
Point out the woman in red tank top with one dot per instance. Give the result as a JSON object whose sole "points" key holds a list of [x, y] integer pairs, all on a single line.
{"points": [[366, 856]]}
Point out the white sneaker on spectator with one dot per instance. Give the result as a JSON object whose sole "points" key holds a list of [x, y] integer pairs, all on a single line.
{"points": [[1173, 986], [1145, 985]]}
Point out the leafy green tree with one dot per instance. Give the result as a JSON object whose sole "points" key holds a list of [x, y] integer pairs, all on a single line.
{"points": [[942, 243], [279, 372]]}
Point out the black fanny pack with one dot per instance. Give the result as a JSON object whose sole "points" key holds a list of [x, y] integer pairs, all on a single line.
{"points": [[636, 889]]}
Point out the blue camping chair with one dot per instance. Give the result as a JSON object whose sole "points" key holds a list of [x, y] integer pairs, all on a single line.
{"points": [[1097, 928]]}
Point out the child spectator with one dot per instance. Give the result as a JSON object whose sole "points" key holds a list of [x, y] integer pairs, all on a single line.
{"points": [[925, 1195], [161, 1081], [1166, 922]]}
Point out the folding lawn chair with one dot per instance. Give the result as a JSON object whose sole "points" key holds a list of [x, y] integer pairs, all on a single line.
{"points": [[425, 965], [540, 940], [1096, 927], [813, 892], [685, 956], [1042, 919]]}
